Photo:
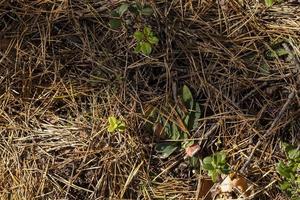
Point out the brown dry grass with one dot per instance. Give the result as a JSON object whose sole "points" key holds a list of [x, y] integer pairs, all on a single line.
{"points": [[64, 71]]}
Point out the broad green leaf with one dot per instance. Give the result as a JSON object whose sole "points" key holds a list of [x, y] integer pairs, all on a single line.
{"points": [[213, 174], [147, 11], [146, 48], [207, 163], [115, 125], [269, 3], [285, 185], [115, 23], [220, 158], [166, 149], [187, 97], [133, 9], [115, 13], [183, 135], [277, 53], [197, 116], [294, 154], [112, 124], [121, 127], [111, 129], [194, 162], [284, 170], [123, 8], [175, 132], [187, 120], [137, 49], [139, 36], [112, 120], [147, 31], [153, 40], [187, 143]]}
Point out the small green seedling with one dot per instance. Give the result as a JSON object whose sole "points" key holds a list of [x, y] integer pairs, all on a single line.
{"points": [[290, 171], [185, 116], [270, 3], [145, 41], [115, 124], [216, 165], [135, 9]]}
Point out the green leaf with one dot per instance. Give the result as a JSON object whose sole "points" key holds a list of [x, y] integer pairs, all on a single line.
{"points": [[115, 23], [285, 185], [137, 49], [197, 116], [220, 158], [207, 163], [166, 149], [269, 3], [122, 9], [194, 162], [112, 124], [121, 127], [187, 120], [115, 13], [146, 48], [115, 125], [153, 40], [276, 53], [175, 132], [187, 143], [284, 170], [294, 154], [147, 11], [139, 36], [183, 135], [133, 9], [214, 175], [147, 31], [187, 97]]}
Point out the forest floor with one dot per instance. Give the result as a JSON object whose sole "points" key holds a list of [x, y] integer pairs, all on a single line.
{"points": [[64, 71]]}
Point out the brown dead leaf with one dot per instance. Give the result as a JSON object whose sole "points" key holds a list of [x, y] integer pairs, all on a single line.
{"points": [[192, 150], [204, 188]]}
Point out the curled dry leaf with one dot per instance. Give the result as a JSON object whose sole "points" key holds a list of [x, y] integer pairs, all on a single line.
{"points": [[234, 182], [192, 150]]}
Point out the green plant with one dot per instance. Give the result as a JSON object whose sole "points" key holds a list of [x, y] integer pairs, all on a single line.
{"points": [[270, 3], [135, 9], [216, 165], [145, 40], [178, 126], [115, 124], [290, 171]]}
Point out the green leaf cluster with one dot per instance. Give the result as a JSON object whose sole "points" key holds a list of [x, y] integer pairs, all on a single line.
{"points": [[115, 124], [145, 40], [290, 171], [134, 8], [178, 130], [216, 165]]}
